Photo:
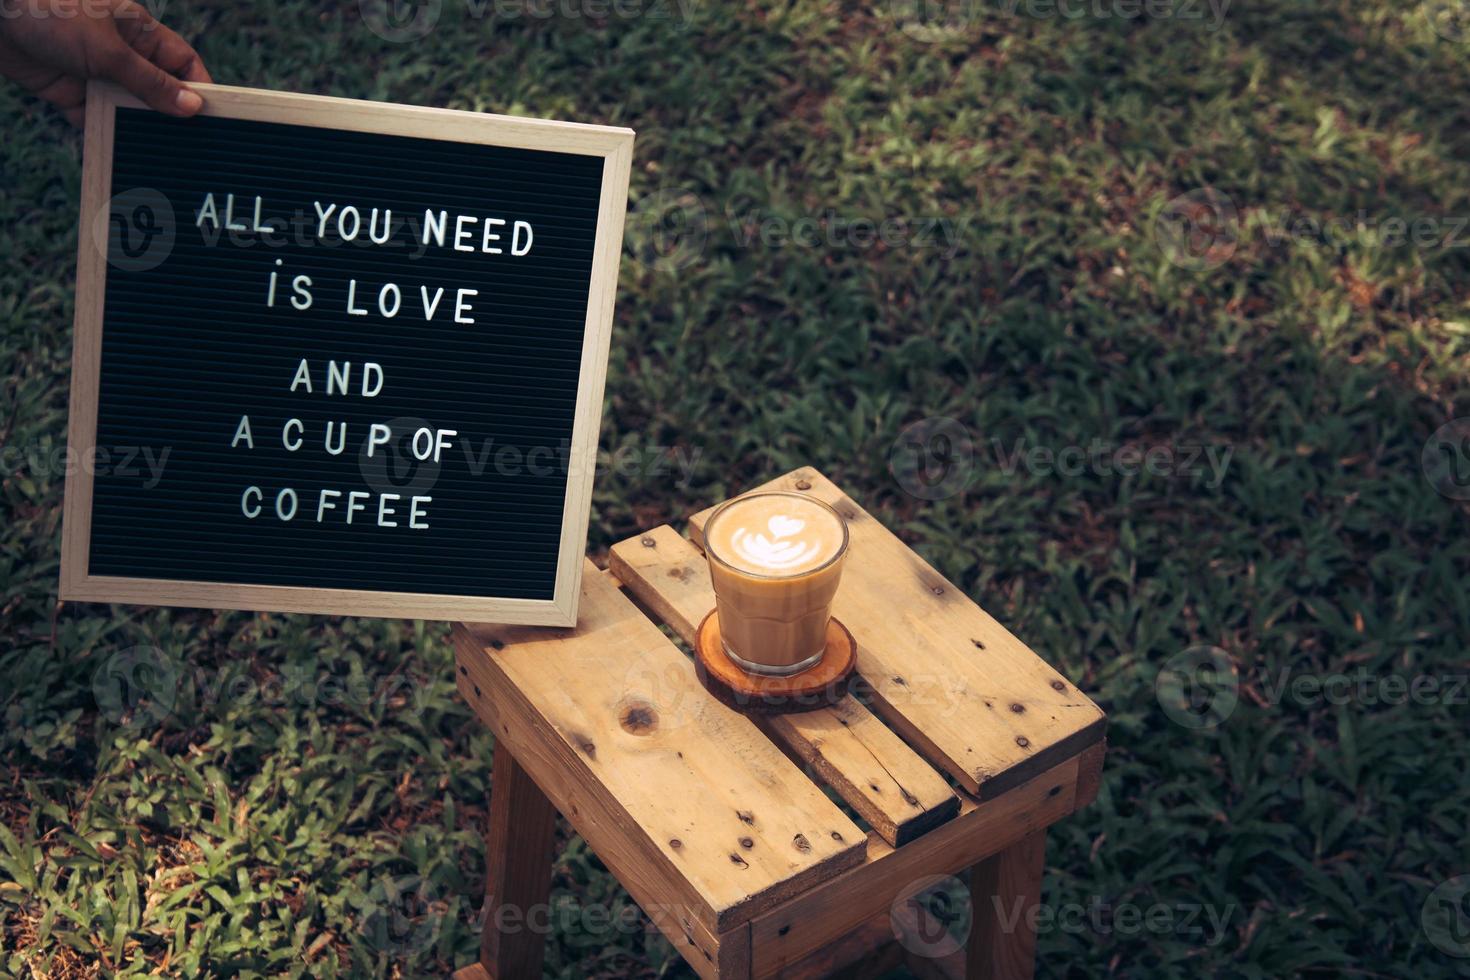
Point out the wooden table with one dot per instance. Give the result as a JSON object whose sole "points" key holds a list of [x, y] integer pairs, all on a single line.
{"points": [[958, 750]]}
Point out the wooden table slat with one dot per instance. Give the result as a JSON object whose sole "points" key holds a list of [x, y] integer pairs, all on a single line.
{"points": [[824, 912], [870, 767], [689, 803], [673, 911], [957, 684]]}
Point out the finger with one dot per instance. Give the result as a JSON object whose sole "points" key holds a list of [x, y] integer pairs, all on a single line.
{"points": [[67, 94], [196, 72], [192, 69], [159, 44], [147, 81]]}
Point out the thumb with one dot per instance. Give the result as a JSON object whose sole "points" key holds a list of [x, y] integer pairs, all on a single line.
{"points": [[150, 83]]}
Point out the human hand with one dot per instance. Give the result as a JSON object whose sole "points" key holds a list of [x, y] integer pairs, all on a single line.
{"points": [[52, 47]]}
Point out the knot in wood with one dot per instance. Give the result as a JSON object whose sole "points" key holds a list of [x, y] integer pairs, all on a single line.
{"points": [[638, 717]]}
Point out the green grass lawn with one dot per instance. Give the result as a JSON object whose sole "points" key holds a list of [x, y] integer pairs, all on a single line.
{"points": [[308, 797]]}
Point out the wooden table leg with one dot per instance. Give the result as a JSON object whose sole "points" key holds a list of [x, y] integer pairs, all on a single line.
{"points": [[518, 856], [1004, 891]]}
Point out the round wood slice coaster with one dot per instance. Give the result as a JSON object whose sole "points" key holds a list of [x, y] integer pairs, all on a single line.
{"points": [[818, 686]]}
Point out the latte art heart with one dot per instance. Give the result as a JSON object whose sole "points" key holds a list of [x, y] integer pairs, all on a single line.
{"points": [[776, 534], [760, 550], [782, 526]]}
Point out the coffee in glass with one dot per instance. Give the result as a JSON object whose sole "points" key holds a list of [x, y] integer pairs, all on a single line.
{"points": [[775, 558]]}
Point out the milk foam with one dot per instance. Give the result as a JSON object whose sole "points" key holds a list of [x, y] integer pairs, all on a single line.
{"points": [[776, 535]]}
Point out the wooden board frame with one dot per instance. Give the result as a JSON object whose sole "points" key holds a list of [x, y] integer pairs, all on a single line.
{"points": [[613, 144]]}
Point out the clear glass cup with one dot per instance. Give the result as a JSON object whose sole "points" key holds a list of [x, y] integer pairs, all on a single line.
{"points": [[775, 559]]}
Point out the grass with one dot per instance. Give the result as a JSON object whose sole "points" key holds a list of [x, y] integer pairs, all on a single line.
{"points": [[308, 798]]}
